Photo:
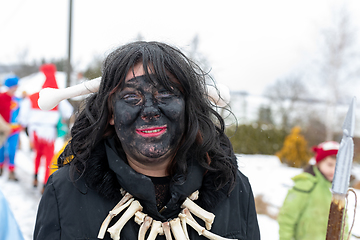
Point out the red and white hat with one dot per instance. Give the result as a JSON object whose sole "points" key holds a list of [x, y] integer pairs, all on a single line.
{"points": [[49, 71], [325, 149]]}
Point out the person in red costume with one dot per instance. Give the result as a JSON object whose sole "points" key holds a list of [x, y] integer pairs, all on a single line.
{"points": [[42, 124]]}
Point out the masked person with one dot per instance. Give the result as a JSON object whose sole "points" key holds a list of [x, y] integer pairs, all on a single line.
{"points": [[149, 130], [305, 211]]}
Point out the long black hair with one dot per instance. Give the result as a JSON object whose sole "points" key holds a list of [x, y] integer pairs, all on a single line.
{"points": [[204, 136]]}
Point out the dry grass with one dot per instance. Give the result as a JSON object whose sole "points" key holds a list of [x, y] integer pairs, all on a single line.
{"points": [[357, 185], [262, 207]]}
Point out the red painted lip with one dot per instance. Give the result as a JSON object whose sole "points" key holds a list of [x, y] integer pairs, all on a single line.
{"points": [[151, 132]]}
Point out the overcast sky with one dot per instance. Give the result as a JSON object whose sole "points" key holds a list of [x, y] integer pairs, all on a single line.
{"points": [[248, 44]]}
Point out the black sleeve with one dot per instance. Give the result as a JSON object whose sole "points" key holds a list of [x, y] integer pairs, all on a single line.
{"points": [[253, 231], [47, 224]]}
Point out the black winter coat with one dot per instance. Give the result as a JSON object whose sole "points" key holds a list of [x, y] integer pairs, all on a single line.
{"points": [[76, 210]]}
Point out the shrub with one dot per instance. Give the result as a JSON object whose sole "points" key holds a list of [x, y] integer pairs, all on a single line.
{"points": [[256, 139], [295, 151]]}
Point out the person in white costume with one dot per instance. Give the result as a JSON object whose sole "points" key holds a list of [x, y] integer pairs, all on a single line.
{"points": [[42, 125]]}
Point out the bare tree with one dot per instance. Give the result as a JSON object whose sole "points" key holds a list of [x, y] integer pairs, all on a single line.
{"points": [[22, 67], [265, 115], [337, 58], [194, 54], [284, 95], [93, 70], [313, 126]]}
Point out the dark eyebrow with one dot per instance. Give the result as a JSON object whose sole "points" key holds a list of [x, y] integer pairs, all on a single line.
{"points": [[131, 79], [130, 82], [130, 85]]}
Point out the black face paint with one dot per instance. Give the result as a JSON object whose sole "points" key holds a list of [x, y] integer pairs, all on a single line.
{"points": [[149, 120]]}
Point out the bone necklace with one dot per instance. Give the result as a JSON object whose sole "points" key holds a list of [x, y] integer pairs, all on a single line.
{"points": [[176, 227]]}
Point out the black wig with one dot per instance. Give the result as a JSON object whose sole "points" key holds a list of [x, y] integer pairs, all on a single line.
{"points": [[204, 136]]}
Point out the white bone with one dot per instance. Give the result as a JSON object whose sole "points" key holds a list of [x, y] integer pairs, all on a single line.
{"points": [[212, 236], [183, 225], [188, 214], [144, 227], [177, 230], [115, 230], [208, 217], [202, 231], [167, 231], [139, 217], [119, 209], [124, 199], [156, 228], [194, 196], [122, 191], [122, 204], [50, 97]]}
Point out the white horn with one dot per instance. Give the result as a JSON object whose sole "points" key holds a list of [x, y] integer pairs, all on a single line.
{"points": [[50, 97]]}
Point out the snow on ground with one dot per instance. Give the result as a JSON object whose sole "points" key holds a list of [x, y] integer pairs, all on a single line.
{"points": [[268, 177], [272, 179], [22, 197]]}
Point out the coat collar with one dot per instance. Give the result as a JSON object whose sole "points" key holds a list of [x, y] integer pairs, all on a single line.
{"points": [[107, 172], [142, 188]]}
